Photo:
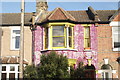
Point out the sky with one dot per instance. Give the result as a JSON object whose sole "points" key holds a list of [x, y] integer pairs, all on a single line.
{"points": [[14, 7]]}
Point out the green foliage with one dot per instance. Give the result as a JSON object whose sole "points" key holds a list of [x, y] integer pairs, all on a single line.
{"points": [[78, 73], [30, 72], [53, 66]]}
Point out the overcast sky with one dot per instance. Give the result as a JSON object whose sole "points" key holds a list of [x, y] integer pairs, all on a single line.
{"points": [[14, 7]]}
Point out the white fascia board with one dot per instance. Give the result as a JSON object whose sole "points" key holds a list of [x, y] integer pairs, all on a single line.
{"points": [[115, 23]]}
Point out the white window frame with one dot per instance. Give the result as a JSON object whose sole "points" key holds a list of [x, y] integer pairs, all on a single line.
{"points": [[109, 74], [117, 33], [12, 43], [8, 70]]}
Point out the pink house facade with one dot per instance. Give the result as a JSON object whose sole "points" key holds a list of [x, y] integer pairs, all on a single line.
{"points": [[77, 35]]}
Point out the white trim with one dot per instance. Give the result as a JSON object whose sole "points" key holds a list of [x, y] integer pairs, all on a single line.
{"points": [[115, 23], [60, 49], [67, 37], [114, 49], [106, 60], [12, 41], [8, 70], [0, 70], [110, 72]]}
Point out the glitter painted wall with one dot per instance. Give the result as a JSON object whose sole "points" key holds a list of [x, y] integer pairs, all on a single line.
{"points": [[79, 53]]}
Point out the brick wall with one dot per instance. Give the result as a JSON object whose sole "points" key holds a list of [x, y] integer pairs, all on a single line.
{"points": [[105, 48]]}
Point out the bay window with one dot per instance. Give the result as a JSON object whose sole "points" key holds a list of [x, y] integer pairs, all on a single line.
{"points": [[59, 36]]}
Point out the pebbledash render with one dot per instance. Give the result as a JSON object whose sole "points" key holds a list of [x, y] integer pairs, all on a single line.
{"points": [[88, 36]]}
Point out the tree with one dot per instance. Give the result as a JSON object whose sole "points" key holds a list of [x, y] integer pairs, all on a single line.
{"points": [[53, 66], [30, 72]]}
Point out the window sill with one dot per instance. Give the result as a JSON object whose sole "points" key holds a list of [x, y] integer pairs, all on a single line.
{"points": [[14, 49], [59, 49], [116, 49], [87, 49]]}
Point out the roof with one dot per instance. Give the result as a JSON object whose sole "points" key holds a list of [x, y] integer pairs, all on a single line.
{"points": [[11, 60], [60, 14], [105, 15], [79, 16], [117, 13], [15, 18]]}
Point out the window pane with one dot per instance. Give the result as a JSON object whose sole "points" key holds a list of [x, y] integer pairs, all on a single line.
{"points": [[87, 32], [3, 68], [116, 29], [16, 31], [107, 75], [116, 37], [70, 31], [116, 44], [17, 41], [4, 76], [46, 37], [58, 30], [12, 76], [70, 42], [58, 41], [12, 68], [87, 42]]}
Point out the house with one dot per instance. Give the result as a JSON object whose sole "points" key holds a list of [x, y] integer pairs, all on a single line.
{"points": [[109, 47], [10, 41], [83, 36], [87, 36]]}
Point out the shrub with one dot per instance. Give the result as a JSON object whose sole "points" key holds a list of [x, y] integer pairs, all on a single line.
{"points": [[30, 72], [53, 66]]}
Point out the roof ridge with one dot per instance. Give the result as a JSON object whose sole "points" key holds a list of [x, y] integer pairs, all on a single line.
{"points": [[67, 14], [105, 10], [51, 13], [64, 12], [78, 10]]}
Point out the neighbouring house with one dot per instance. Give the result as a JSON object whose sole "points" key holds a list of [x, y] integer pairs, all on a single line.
{"points": [[83, 36], [88, 36], [10, 41], [109, 47]]}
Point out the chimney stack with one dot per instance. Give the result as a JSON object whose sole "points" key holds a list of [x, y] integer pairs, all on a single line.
{"points": [[41, 5]]}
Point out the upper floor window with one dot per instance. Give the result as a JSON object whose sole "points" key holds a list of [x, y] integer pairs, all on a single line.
{"points": [[116, 40], [86, 37], [59, 36], [15, 38]]}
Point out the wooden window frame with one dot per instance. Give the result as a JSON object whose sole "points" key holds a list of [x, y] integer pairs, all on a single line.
{"points": [[66, 36], [87, 38]]}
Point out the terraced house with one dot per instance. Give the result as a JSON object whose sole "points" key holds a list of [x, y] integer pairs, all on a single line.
{"points": [[88, 36], [10, 41]]}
